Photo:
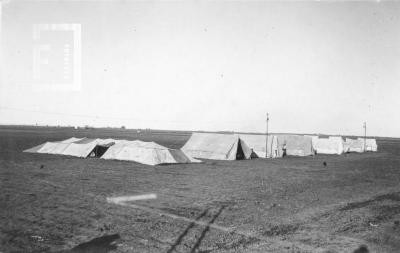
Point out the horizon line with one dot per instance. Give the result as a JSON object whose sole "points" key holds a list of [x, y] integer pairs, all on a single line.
{"points": [[87, 127]]}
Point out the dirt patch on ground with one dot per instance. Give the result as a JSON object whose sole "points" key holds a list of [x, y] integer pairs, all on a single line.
{"points": [[391, 196], [282, 230]]}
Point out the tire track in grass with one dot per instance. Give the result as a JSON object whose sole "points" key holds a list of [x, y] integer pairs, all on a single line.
{"points": [[272, 241], [276, 243]]}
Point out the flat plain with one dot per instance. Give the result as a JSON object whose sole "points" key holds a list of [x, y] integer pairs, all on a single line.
{"points": [[51, 203]]}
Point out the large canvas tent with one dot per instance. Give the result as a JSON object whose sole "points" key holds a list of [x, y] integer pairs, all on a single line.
{"points": [[331, 145], [258, 143], [370, 144], [296, 145], [78, 147], [217, 147], [354, 145], [149, 153]]}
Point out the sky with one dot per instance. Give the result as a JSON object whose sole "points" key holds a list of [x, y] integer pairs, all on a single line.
{"points": [[315, 67]]}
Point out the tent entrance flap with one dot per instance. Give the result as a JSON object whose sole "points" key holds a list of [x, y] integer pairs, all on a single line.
{"points": [[99, 150], [240, 153]]}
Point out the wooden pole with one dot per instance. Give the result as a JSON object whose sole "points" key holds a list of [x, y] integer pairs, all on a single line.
{"points": [[266, 143], [365, 136]]}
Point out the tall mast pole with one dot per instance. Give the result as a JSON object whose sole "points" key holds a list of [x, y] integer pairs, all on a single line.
{"points": [[365, 135], [266, 142]]}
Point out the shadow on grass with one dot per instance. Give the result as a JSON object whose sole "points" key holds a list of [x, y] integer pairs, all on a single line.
{"points": [[191, 225], [103, 244], [362, 249], [203, 233]]}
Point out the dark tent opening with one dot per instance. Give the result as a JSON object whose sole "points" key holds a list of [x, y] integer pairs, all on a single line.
{"points": [[99, 150], [240, 154]]}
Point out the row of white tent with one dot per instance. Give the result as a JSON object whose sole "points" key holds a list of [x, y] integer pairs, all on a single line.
{"points": [[337, 145], [245, 146], [206, 146], [149, 153]]}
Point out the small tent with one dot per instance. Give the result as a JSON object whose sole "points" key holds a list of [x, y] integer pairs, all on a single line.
{"points": [[370, 144], [149, 153], [296, 145], [78, 147], [331, 145], [354, 145], [258, 143], [217, 147]]}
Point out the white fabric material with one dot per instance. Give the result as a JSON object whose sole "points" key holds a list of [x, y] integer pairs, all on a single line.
{"points": [[296, 145], [338, 138], [72, 147], [258, 144], [313, 137], [355, 145], [331, 145], [70, 140], [346, 147], [149, 153], [370, 144], [79, 150], [53, 148], [215, 146], [84, 149], [143, 152]]}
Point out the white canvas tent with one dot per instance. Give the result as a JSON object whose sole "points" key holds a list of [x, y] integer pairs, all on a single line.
{"points": [[258, 144], [370, 144], [331, 145], [78, 147], [149, 153], [216, 147], [354, 145], [296, 145]]}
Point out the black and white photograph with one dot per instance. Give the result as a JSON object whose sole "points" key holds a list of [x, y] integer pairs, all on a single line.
{"points": [[199, 126]]}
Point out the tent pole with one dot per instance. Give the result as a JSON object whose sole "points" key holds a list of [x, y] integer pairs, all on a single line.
{"points": [[266, 143], [365, 135]]}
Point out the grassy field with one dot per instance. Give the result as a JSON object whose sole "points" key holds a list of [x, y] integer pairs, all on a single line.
{"points": [[52, 203]]}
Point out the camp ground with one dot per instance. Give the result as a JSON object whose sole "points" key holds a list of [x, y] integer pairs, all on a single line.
{"points": [[199, 126], [217, 185], [211, 146]]}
